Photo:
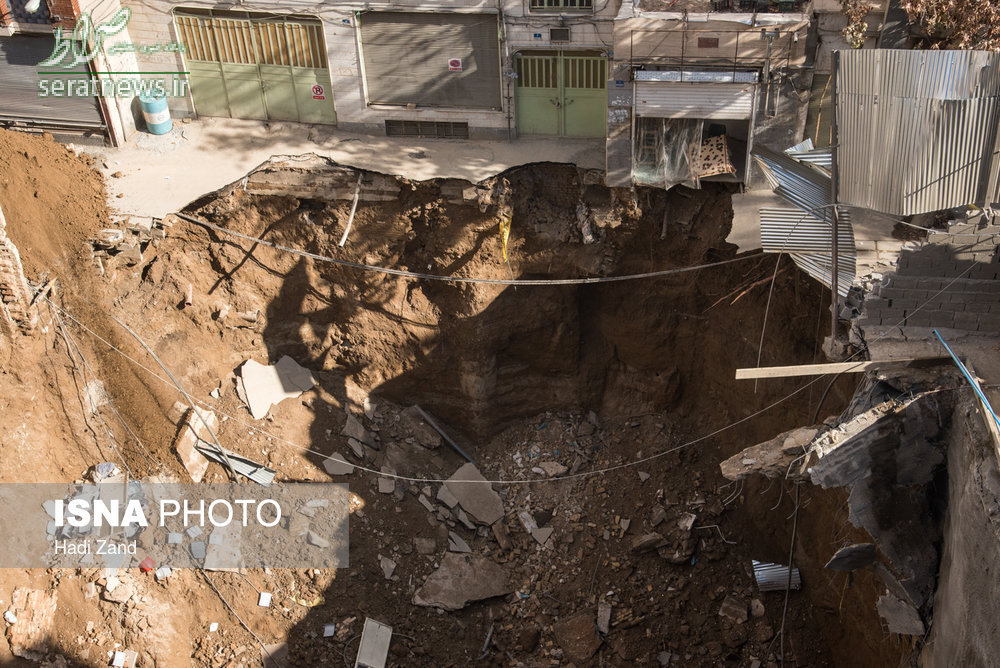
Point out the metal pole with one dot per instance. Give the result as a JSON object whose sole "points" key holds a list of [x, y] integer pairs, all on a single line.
{"points": [[834, 313]]}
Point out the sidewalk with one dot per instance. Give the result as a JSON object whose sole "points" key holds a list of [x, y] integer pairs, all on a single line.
{"points": [[161, 174]]}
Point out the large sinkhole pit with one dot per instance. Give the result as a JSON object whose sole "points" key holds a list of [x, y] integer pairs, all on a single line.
{"points": [[591, 375], [481, 356]]}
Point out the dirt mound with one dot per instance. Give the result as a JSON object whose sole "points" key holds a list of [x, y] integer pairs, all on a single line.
{"points": [[52, 199]]}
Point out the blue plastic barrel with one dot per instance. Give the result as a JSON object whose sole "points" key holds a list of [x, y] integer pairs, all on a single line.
{"points": [[154, 110]]}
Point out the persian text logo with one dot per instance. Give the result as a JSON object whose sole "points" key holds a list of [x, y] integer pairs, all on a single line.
{"points": [[87, 39], [85, 43]]}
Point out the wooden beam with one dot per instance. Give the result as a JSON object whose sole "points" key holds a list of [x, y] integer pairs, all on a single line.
{"points": [[810, 369]]}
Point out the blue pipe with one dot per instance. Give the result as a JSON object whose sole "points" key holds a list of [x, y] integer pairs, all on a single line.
{"points": [[968, 377]]}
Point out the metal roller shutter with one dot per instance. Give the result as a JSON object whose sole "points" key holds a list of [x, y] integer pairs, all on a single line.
{"points": [[19, 87], [693, 100], [408, 59]]}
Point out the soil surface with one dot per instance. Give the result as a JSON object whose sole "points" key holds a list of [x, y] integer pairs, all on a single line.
{"points": [[626, 386]]}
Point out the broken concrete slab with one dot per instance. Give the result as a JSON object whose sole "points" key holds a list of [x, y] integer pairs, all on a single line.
{"points": [[542, 534], [852, 557], [577, 635], [192, 434], [456, 544], [335, 464], [353, 429], [265, 386], [901, 616], [770, 458], [445, 496], [460, 580], [466, 522], [386, 485], [476, 495], [357, 447], [426, 503]]}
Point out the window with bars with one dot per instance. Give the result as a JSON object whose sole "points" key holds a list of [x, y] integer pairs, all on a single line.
{"points": [[561, 5], [252, 42]]}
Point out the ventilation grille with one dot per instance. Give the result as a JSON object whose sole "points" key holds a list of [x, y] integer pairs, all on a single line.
{"points": [[440, 129], [558, 34]]}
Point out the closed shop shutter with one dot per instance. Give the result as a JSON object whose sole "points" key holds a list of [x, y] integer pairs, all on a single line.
{"points": [[20, 98], [659, 99], [435, 60]]}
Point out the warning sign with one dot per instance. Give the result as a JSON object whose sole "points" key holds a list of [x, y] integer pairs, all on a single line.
{"points": [[318, 92], [454, 64]]}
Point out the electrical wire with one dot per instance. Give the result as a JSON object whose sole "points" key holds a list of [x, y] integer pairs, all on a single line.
{"points": [[572, 476], [461, 279]]}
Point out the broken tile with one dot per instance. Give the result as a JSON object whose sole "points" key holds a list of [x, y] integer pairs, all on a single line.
{"points": [[643, 476], [388, 567]]}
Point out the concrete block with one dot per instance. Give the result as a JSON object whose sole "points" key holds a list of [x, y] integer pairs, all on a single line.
{"points": [[966, 321]]}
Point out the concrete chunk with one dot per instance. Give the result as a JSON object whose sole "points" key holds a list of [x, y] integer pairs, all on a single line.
{"points": [[265, 386], [335, 464], [456, 544], [476, 496], [460, 580]]}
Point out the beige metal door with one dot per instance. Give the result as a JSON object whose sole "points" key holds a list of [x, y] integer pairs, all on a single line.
{"points": [[244, 65]]}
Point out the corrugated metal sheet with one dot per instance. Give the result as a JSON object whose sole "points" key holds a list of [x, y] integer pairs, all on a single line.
{"points": [[820, 267], [802, 185], [917, 129], [806, 231], [821, 158], [774, 577], [693, 100], [793, 231], [259, 473]]}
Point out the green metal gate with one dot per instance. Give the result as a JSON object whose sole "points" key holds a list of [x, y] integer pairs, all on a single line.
{"points": [[245, 66], [561, 93]]}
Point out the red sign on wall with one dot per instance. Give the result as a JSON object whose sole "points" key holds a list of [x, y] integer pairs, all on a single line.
{"points": [[455, 65], [318, 92]]}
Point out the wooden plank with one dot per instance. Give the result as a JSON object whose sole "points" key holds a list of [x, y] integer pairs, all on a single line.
{"points": [[811, 369]]}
